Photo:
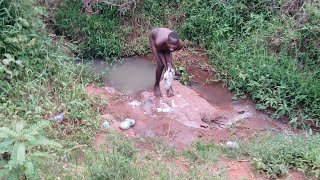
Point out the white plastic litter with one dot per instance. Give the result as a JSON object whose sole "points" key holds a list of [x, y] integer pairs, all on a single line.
{"points": [[168, 78], [58, 118], [232, 144], [134, 103], [127, 123], [166, 109], [173, 104], [105, 124]]}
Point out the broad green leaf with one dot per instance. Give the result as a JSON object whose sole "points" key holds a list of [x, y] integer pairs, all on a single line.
{"points": [[24, 22], [19, 126], [32, 42], [40, 154], [293, 120], [21, 153], [46, 142], [30, 169], [8, 131], [12, 40], [6, 62], [33, 129], [5, 144], [8, 56], [19, 63], [22, 38], [3, 136]]}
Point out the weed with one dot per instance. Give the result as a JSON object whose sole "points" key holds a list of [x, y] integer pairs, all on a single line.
{"points": [[185, 77], [21, 146], [276, 154]]}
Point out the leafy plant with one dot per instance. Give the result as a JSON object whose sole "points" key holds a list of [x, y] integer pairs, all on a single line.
{"points": [[185, 78], [22, 147], [276, 154]]}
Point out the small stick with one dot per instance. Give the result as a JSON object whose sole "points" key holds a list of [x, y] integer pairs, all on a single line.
{"points": [[77, 146], [168, 131], [174, 135]]}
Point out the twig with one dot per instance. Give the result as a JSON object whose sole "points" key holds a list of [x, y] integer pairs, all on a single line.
{"points": [[244, 160], [174, 135], [77, 146], [300, 9], [168, 131], [293, 2]]}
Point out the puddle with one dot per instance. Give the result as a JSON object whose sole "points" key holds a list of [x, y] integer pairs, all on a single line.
{"points": [[131, 76], [214, 93], [135, 75]]}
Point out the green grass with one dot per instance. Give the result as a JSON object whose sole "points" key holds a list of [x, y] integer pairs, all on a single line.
{"points": [[121, 158], [263, 53], [276, 154]]}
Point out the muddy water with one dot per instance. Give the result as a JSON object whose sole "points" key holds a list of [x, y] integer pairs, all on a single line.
{"points": [[134, 75], [215, 94], [131, 76]]}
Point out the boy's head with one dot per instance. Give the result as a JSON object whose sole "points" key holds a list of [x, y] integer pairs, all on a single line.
{"points": [[173, 40]]}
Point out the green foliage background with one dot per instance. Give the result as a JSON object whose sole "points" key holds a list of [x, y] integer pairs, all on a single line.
{"points": [[267, 50]]}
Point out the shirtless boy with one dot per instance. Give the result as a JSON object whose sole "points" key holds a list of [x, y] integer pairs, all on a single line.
{"points": [[163, 42]]}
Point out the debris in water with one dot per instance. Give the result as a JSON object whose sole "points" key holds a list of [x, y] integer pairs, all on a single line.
{"points": [[173, 104], [204, 126], [167, 109]]}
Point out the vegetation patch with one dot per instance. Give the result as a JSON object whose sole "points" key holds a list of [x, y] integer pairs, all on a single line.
{"points": [[37, 82], [276, 154]]}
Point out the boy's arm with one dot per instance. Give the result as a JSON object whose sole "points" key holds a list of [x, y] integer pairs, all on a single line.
{"points": [[154, 50]]}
